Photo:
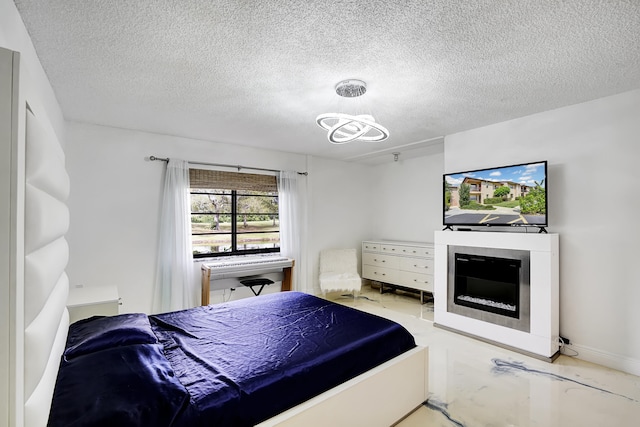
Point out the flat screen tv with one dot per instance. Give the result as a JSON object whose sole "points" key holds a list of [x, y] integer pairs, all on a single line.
{"points": [[512, 196]]}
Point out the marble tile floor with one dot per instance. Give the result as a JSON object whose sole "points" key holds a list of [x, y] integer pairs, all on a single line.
{"points": [[472, 383]]}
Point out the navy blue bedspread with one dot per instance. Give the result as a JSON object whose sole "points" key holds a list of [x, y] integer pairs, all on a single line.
{"points": [[232, 364]]}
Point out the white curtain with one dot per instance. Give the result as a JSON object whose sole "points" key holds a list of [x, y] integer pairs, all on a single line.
{"points": [[292, 224], [174, 287]]}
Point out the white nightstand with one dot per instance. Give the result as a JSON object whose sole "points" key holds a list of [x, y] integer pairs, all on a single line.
{"points": [[92, 301]]}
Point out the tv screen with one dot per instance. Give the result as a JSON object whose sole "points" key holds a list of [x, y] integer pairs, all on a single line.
{"points": [[513, 195]]}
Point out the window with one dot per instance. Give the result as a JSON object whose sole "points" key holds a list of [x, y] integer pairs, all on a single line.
{"points": [[233, 213]]}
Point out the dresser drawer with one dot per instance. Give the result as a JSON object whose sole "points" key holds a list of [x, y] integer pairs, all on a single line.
{"points": [[417, 265], [369, 246], [380, 260], [391, 249], [416, 251], [423, 282], [381, 274]]}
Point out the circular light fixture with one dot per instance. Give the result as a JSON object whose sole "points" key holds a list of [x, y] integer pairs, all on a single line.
{"points": [[345, 128], [351, 88]]}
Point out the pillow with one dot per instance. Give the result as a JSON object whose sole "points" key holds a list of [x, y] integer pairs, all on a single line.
{"points": [[101, 333], [126, 386]]}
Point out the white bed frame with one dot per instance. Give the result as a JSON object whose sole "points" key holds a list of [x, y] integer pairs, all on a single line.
{"points": [[38, 321], [379, 397]]}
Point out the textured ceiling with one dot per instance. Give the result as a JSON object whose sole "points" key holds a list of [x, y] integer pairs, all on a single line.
{"points": [[257, 73]]}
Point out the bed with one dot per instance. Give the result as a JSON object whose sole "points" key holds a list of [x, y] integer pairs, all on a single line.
{"points": [[39, 340], [239, 363]]}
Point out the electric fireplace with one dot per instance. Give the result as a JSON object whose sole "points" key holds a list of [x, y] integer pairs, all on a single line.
{"points": [[491, 285]]}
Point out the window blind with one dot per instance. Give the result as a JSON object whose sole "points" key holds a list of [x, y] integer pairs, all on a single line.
{"points": [[213, 179]]}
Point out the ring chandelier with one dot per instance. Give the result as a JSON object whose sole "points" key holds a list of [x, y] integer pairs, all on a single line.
{"points": [[343, 128]]}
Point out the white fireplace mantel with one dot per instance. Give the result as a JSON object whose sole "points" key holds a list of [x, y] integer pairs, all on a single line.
{"points": [[542, 339]]}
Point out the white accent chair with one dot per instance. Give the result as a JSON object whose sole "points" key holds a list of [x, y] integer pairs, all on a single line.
{"points": [[339, 271]]}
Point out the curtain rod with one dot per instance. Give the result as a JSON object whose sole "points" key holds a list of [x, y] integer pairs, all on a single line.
{"points": [[154, 158]]}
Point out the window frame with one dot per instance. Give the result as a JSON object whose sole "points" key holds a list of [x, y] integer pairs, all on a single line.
{"points": [[235, 216]]}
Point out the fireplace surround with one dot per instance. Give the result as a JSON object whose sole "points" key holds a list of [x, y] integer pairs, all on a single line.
{"points": [[536, 335]]}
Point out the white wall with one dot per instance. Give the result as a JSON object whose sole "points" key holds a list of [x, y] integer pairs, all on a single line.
{"points": [[340, 209], [14, 36], [592, 149], [407, 197], [115, 199], [116, 194]]}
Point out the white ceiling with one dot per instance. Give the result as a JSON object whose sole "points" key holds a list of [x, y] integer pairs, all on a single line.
{"points": [[257, 73]]}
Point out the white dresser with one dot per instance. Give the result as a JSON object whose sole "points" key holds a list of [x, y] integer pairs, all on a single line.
{"points": [[406, 264]]}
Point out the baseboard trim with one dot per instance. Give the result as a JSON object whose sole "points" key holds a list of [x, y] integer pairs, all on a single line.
{"points": [[609, 360]]}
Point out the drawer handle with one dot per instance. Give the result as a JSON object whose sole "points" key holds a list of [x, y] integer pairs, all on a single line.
{"points": [[379, 260], [417, 266], [383, 274]]}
